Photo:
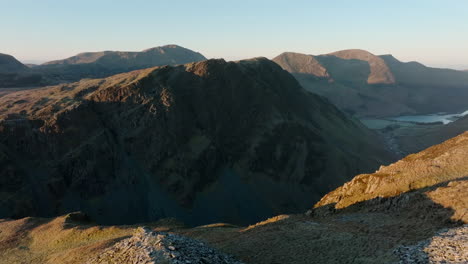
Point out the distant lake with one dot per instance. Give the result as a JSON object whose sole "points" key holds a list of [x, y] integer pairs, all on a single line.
{"points": [[411, 120], [432, 118]]}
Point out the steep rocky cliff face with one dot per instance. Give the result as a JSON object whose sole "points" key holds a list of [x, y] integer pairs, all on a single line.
{"points": [[367, 85], [204, 142]]}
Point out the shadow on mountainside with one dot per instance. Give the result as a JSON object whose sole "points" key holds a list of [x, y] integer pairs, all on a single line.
{"points": [[98, 170], [366, 232]]}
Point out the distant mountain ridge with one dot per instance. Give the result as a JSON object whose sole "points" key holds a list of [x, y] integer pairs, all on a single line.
{"points": [[164, 55], [364, 84], [96, 65]]}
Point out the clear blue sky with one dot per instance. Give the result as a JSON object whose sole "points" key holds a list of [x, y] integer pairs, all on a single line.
{"points": [[434, 32]]}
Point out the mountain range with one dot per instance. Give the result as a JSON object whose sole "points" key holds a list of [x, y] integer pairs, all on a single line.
{"points": [[203, 142], [358, 82], [164, 55], [367, 85], [96, 65], [163, 156]]}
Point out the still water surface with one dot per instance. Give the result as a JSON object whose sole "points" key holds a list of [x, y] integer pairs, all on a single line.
{"points": [[432, 118]]}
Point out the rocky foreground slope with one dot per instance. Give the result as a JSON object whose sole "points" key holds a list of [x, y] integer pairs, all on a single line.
{"points": [[147, 247], [367, 85], [424, 222], [204, 142]]}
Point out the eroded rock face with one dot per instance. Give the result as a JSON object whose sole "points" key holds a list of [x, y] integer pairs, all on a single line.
{"points": [[205, 142]]}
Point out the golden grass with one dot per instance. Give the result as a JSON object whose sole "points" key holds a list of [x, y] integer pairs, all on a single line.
{"points": [[437, 164], [55, 241], [272, 220]]}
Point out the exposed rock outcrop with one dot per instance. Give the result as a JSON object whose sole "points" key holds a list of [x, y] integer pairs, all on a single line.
{"points": [[449, 246], [147, 247]]}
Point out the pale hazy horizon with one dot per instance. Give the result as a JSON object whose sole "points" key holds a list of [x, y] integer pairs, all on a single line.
{"points": [[430, 31]]}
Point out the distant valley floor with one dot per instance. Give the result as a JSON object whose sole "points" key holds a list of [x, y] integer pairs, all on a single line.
{"points": [[405, 137]]}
